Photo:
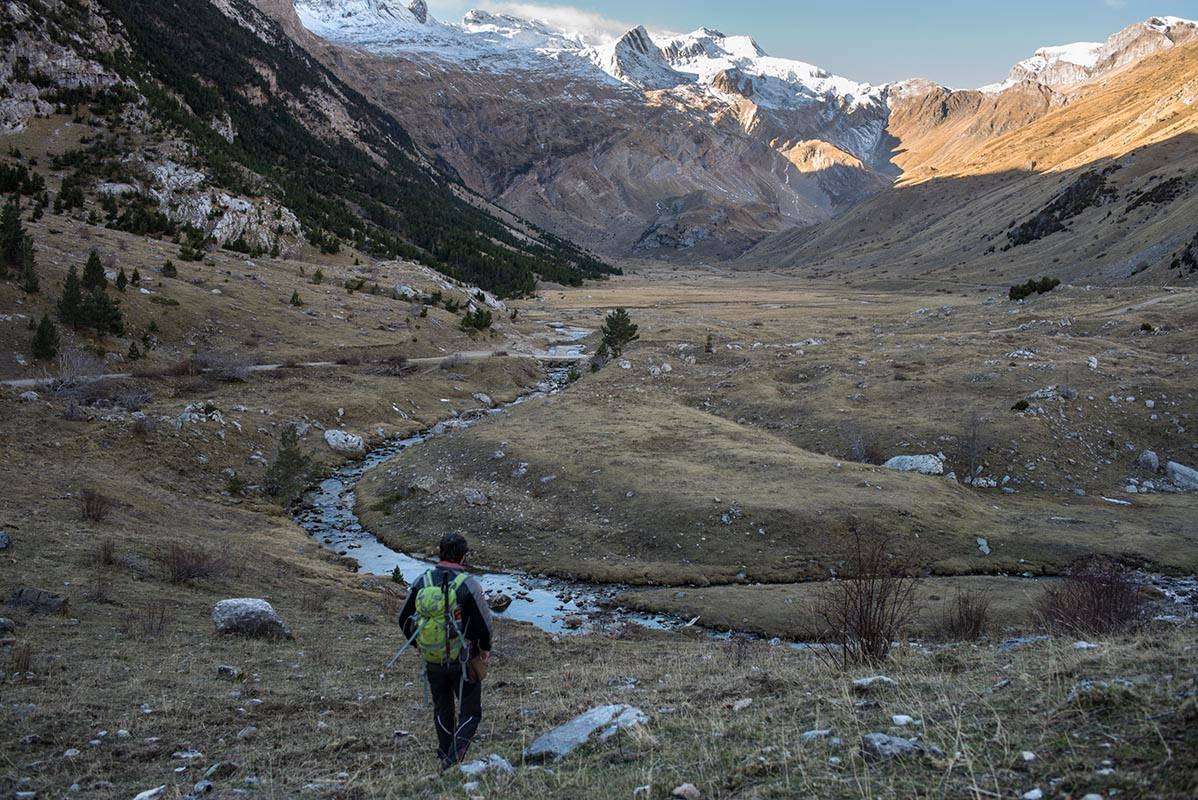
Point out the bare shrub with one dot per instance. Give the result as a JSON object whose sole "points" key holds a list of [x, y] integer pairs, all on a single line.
{"points": [[149, 622], [105, 392], [1097, 595], [21, 658], [75, 365], [452, 361], [184, 368], [101, 589], [737, 649], [94, 506], [972, 443], [868, 607], [967, 618], [225, 367], [392, 366], [860, 446], [106, 553], [74, 413], [182, 563]]}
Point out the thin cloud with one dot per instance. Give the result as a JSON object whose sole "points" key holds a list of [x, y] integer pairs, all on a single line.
{"points": [[592, 27]]}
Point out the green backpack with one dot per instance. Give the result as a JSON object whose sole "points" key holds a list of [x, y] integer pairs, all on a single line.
{"points": [[439, 620]]}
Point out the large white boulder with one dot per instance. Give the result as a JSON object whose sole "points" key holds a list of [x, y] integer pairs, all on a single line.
{"points": [[1183, 477], [345, 442], [925, 464], [249, 616]]}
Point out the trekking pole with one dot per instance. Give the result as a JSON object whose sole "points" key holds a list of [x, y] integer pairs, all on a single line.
{"points": [[401, 650]]}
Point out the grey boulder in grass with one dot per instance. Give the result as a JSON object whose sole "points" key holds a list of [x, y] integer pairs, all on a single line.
{"points": [[249, 616]]}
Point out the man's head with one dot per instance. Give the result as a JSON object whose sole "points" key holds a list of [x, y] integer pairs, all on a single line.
{"points": [[453, 547]]}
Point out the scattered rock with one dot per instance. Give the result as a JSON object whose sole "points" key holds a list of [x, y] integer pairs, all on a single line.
{"points": [[924, 464], [601, 720], [187, 755], [882, 746], [687, 791], [29, 397], [248, 732], [492, 763], [5, 540], [248, 616], [498, 601], [221, 769], [1033, 794], [150, 794], [1148, 460], [1028, 756], [983, 545], [1092, 362], [485, 399], [7, 625], [1185, 478], [344, 442], [228, 671], [873, 684], [1020, 642], [200, 789], [39, 601], [818, 733], [903, 720], [1084, 645], [475, 497], [741, 705]]}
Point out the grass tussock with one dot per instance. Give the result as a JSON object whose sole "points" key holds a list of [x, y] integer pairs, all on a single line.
{"points": [[95, 506], [966, 618]]}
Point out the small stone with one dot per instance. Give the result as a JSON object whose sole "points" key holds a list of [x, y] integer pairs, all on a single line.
{"points": [[248, 616], [7, 625], [475, 497], [29, 397], [150, 794], [1084, 645], [687, 791], [344, 442], [1033, 794], [187, 755], [874, 683], [228, 671], [1028, 756], [5, 540], [902, 720], [219, 770], [741, 705], [71, 753], [248, 732], [812, 735], [877, 746]]}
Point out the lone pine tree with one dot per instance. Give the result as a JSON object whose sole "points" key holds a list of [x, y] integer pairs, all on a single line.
{"points": [[45, 340], [618, 332]]}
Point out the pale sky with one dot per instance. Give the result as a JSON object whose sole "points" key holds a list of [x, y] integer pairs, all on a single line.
{"points": [[962, 43]]}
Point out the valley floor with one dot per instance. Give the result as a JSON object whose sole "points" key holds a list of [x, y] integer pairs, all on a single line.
{"points": [[121, 692]]}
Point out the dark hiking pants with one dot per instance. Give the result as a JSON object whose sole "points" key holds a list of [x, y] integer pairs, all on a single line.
{"points": [[455, 717]]}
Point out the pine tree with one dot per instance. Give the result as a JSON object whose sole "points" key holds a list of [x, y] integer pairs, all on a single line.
{"points": [[70, 305], [295, 299], [285, 478], [618, 332], [135, 278], [121, 280], [134, 353], [168, 269], [12, 234], [93, 273], [45, 340], [29, 281], [101, 314]]}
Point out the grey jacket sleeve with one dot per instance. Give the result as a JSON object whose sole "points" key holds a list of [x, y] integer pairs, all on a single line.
{"points": [[477, 615]]}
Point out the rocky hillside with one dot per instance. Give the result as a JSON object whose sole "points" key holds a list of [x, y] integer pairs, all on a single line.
{"points": [[678, 146], [233, 135], [1096, 189]]}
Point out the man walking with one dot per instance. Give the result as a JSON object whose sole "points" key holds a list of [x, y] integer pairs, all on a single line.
{"points": [[447, 617]]}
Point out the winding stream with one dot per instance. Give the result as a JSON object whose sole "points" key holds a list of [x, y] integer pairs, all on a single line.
{"points": [[557, 606]]}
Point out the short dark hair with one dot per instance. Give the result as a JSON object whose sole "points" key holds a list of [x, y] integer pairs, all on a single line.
{"points": [[453, 547]]}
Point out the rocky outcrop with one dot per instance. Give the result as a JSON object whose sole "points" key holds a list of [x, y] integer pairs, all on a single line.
{"points": [[1183, 477], [924, 464], [39, 601]]}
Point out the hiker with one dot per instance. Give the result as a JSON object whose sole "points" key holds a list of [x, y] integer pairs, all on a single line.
{"points": [[447, 618]]}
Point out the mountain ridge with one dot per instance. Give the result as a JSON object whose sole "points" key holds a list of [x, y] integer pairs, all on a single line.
{"points": [[597, 118]]}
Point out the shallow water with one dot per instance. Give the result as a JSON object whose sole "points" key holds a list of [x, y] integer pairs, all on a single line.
{"points": [[327, 513]]}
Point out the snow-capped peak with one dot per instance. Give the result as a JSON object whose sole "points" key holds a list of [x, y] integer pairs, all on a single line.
{"points": [[364, 22], [636, 59]]}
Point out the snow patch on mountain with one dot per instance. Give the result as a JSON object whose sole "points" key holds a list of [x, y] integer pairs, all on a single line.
{"points": [[635, 59]]}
